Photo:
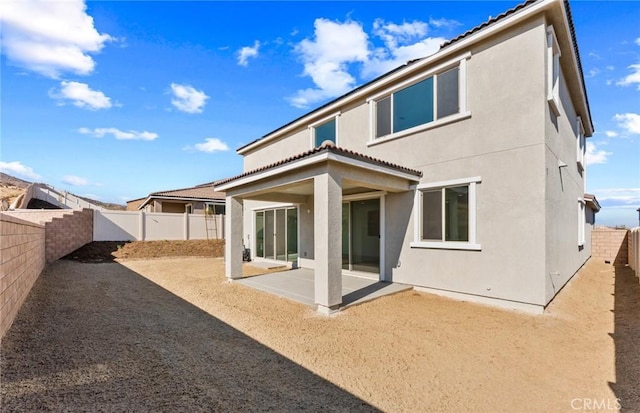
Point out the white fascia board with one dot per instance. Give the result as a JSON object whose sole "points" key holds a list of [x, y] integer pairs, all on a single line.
{"points": [[314, 160], [461, 44]]}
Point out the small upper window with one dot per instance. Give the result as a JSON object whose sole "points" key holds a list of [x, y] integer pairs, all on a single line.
{"points": [[553, 71], [423, 102], [214, 209], [324, 132], [580, 144]]}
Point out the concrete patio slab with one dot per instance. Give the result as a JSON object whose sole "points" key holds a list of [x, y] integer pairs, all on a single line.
{"points": [[297, 285]]}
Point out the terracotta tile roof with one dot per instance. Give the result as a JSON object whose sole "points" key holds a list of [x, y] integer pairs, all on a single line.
{"points": [[326, 147], [201, 191]]}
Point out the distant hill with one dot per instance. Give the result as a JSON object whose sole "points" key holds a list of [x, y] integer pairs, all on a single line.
{"points": [[12, 187], [8, 180]]}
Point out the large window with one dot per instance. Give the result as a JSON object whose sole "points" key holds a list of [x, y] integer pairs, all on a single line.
{"points": [[446, 215], [553, 71], [423, 102]]}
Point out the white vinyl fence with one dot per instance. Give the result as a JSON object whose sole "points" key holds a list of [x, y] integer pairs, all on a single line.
{"points": [[634, 250], [153, 226]]}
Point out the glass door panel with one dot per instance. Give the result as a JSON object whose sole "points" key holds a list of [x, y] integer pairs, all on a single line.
{"points": [[260, 234], [345, 236], [269, 232], [292, 234], [365, 235], [281, 234]]}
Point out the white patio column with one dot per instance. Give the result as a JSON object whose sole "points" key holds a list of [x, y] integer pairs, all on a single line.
{"points": [[327, 242], [233, 241]]}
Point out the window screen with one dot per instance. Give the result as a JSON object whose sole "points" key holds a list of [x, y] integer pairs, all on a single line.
{"points": [[448, 93]]}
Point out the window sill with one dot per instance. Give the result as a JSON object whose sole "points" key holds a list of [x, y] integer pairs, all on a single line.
{"points": [[447, 245], [553, 104], [420, 128]]}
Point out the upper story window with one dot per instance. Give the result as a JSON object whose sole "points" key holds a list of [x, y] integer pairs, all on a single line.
{"points": [[211, 208], [324, 130], [580, 143], [420, 102], [553, 71]]}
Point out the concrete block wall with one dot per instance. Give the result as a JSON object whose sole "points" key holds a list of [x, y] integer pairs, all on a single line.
{"points": [[22, 259], [610, 245], [39, 216], [68, 233]]}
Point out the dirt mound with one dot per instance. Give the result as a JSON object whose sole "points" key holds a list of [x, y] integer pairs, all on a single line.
{"points": [[108, 251]]}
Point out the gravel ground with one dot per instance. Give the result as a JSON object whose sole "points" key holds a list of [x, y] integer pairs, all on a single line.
{"points": [[171, 335]]}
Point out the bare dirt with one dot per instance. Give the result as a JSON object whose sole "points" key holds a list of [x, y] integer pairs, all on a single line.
{"points": [[109, 251], [171, 334]]}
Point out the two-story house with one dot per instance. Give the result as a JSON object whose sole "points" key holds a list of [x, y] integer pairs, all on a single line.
{"points": [[461, 173]]}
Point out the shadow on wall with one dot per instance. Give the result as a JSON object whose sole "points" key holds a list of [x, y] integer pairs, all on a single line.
{"points": [[102, 337], [626, 338]]}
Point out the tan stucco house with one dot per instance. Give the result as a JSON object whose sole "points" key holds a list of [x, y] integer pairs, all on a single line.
{"points": [[461, 173], [193, 200]]}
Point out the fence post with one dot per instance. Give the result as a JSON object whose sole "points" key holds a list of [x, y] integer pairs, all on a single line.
{"points": [[186, 226], [141, 234]]}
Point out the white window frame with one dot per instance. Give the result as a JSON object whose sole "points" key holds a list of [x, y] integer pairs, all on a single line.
{"points": [[463, 113], [582, 222], [580, 144], [472, 244], [312, 127], [553, 71]]}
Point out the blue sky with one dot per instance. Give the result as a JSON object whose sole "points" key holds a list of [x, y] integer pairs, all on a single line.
{"points": [[115, 99]]}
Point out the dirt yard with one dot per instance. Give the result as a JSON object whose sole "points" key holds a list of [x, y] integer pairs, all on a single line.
{"points": [[108, 251], [171, 334]]}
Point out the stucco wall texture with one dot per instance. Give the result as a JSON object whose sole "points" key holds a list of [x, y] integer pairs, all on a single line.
{"points": [[22, 259]]}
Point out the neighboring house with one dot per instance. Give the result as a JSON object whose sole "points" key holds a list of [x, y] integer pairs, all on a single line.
{"points": [[194, 200], [461, 173]]}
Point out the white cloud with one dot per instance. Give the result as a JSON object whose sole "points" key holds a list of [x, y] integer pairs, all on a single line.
{"points": [[637, 41], [17, 168], [75, 180], [246, 52], [630, 122], [444, 23], [593, 72], [82, 96], [188, 99], [118, 134], [633, 78], [50, 37], [618, 196], [326, 57], [611, 134], [329, 57], [594, 155], [210, 145]]}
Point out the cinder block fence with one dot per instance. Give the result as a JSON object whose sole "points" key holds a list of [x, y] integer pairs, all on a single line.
{"points": [[22, 259], [610, 245]]}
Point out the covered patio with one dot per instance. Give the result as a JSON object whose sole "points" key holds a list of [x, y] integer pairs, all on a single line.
{"points": [[318, 182], [298, 285]]}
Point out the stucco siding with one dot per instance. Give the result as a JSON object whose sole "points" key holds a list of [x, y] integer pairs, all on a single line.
{"points": [[564, 186]]}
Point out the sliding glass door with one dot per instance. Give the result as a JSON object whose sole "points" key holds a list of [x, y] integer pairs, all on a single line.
{"points": [[361, 235], [277, 234]]}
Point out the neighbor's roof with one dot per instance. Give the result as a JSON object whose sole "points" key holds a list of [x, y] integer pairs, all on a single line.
{"points": [[325, 147], [490, 22], [592, 202], [202, 192]]}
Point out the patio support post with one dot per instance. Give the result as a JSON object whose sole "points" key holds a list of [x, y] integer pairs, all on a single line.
{"points": [[233, 242], [327, 242]]}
